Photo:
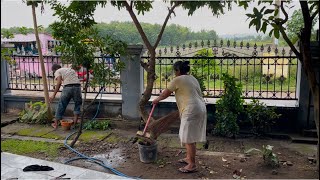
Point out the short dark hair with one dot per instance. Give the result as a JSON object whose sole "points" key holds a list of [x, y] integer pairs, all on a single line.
{"points": [[182, 66], [55, 67]]}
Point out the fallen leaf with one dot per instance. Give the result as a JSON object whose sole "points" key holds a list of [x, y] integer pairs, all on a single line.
{"points": [[237, 174], [179, 152]]}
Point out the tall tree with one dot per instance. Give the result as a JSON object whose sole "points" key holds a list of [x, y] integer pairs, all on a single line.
{"points": [[140, 7], [33, 5], [264, 18], [80, 43]]}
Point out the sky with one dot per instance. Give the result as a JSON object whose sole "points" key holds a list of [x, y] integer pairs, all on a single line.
{"points": [[16, 13]]}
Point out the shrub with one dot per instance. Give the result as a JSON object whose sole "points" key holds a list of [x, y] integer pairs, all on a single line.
{"points": [[229, 107], [97, 125], [261, 117], [34, 113], [268, 156]]}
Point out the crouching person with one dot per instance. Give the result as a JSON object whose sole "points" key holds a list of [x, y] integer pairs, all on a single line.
{"points": [[71, 90]]}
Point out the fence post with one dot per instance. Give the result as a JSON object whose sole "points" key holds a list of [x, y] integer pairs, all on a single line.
{"points": [[4, 82], [131, 82]]}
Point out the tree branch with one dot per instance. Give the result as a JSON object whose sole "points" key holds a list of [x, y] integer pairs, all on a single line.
{"points": [[284, 34], [139, 27], [165, 23], [285, 14], [144, 66], [305, 12], [93, 100], [131, 4], [285, 37], [314, 14]]}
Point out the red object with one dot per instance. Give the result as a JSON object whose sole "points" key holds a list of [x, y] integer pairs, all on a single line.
{"points": [[83, 74], [148, 121]]}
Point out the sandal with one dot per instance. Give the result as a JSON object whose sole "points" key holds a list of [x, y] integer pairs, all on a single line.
{"points": [[183, 161], [184, 170]]}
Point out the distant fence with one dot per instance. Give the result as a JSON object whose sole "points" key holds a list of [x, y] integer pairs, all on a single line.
{"points": [[25, 74], [264, 72]]}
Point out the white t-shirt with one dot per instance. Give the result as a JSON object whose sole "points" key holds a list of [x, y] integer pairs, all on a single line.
{"points": [[69, 76]]}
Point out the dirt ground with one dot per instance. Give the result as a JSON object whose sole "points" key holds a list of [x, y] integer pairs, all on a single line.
{"points": [[124, 157], [220, 160]]}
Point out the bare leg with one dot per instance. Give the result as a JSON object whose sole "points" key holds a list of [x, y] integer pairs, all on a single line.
{"points": [[75, 118], [191, 156], [185, 160]]}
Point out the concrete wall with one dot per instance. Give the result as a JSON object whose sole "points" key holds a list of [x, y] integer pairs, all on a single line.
{"points": [[107, 108]]}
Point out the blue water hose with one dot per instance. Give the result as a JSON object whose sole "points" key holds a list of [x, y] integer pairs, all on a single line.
{"points": [[94, 160]]}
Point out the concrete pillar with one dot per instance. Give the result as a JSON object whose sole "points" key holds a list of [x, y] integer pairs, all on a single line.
{"points": [[131, 82], [4, 82]]}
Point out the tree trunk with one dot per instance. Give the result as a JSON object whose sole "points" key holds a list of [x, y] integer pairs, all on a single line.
{"points": [[147, 93], [316, 102], [82, 111], [43, 70], [311, 76]]}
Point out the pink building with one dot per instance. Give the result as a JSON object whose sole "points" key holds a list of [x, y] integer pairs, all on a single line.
{"points": [[26, 53]]}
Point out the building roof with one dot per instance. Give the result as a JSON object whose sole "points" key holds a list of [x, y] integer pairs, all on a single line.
{"points": [[26, 38]]}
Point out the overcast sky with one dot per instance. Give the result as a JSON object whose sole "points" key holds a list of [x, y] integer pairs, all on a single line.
{"points": [[16, 13]]}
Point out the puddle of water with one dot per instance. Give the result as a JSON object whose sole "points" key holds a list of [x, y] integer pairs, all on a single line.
{"points": [[113, 158]]}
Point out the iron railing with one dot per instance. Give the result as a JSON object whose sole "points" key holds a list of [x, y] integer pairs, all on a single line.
{"points": [[264, 72], [25, 74]]}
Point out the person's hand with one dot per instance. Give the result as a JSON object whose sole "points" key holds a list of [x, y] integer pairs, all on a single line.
{"points": [[155, 101], [51, 99]]}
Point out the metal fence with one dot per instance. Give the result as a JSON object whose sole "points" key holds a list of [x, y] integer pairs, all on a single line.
{"points": [[25, 74], [264, 72]]}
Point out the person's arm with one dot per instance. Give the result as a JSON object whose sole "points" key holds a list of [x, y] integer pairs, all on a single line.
{"points": [[166, 93], [59, 82]]}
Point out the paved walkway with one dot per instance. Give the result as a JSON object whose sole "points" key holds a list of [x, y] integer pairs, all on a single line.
{"points": [[12, 165]]}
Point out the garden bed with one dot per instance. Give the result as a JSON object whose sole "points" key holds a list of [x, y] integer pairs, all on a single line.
{"points": [[222, 158]]}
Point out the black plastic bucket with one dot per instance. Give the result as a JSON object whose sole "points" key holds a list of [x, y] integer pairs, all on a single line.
{"points": [[148, 154]]}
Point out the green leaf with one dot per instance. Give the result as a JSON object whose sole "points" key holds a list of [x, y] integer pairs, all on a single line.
{"points": [[252, 22], [261, 10], [276, 12], [244, 4], [253, 149], [276, 33], [268, 11], [264, 27], [250, 15], [258, 25], [270, 33], [255, 11]]}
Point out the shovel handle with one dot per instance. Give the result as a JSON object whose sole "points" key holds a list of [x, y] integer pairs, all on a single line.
{"points": [[148, 121]]}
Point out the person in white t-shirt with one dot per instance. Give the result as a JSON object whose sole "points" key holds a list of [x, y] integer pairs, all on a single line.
{"points": [[71, 90]]}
